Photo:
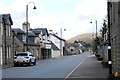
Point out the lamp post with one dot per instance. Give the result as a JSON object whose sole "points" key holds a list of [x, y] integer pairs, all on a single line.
{"points": [[61, 41], [109, 43], [27, 22], [96, 37]]}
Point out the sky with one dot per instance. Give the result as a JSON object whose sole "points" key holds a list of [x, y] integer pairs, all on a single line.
{"points": [[73, 15]]}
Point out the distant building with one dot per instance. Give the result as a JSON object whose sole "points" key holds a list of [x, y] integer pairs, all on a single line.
{"points": [[74, 48]]}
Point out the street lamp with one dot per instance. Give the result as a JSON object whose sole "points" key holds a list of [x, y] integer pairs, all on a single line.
{"points": [[109, 43], [61, 41], [96, 37], [27, 20]]}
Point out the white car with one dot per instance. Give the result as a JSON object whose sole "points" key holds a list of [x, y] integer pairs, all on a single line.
{"points": [[24, 58]]}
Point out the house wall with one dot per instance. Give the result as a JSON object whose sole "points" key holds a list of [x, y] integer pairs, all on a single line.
{"points": [[18, 45], [115, 32], [55, 40], [7, 52], [35, 50], [59, 43], [55, 53]]}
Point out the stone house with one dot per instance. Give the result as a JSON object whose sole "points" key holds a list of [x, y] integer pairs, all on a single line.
{"points": [[20, 42], [6, 44], [114, 15], [74, 48]]}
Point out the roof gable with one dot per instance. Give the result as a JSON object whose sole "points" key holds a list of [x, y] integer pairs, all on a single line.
{"points": [[43, 30], [18, 30], [54, 47], [6, 18], [57, 37]]}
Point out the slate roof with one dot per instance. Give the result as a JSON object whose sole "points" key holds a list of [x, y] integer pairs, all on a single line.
{"points": [[30, 43], [54, 47], [18, 30], [39, 30], [57, 37], [36, 31], [6, 18], [31, 33]]}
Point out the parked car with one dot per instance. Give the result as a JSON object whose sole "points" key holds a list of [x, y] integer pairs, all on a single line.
{"points": [[24, 58]]}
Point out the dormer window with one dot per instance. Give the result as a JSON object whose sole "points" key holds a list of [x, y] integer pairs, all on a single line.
{"points": [[23, 38]]}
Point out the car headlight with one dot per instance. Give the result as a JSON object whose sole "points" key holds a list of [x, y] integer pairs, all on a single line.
{"points": [[15, 57]]}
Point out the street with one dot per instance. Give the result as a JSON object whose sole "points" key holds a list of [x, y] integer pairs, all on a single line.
{"points": [[50, 68]]}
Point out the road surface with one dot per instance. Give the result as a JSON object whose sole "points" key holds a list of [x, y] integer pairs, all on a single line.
{"points": [[50, 68]]}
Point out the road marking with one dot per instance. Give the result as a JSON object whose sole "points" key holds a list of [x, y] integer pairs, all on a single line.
{"points": [[75, 68]]}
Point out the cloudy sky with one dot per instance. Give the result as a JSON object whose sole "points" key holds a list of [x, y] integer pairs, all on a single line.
{"points": [[72, 15]]}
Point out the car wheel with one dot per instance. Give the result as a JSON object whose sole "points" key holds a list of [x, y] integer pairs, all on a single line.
{"points": [[29, 64], [34, 62]]}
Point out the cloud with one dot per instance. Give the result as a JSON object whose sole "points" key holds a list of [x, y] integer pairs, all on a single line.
{"points": [[76, 21]]}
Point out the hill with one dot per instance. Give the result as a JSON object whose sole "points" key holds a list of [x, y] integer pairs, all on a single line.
{"points": [[87, 37]]}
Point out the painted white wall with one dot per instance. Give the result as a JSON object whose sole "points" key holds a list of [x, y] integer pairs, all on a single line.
{"points": [[55, 53], [55, 40]]}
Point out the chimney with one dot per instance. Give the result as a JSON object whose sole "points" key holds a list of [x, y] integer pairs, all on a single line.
{"points": [[24, 27]]}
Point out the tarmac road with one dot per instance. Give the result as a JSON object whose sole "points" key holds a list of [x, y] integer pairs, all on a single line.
{"points": [[50, 68]]}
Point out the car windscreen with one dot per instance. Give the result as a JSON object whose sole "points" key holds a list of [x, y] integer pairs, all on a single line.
{"points": [[21, 54]]}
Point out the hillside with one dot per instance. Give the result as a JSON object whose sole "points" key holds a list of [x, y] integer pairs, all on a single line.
{"points": [[88, 38]]}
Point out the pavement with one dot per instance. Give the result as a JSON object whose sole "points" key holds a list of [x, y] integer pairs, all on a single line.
{"points": [[89, 69], [0, 72]]}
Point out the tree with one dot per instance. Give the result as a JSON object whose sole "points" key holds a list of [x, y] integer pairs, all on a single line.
{"points": [[103, 30]]}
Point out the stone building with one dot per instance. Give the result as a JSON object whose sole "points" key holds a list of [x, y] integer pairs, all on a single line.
{"points": [[6, 44], [114, 14]]}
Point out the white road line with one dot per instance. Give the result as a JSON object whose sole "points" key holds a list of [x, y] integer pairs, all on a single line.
{"points": [[75, 68]]}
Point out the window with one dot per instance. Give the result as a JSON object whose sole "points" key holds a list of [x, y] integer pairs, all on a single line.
{"points": [[21, 54], [9, 30], [23, 38], [0, 55], [32, 51], [8, 52], [37, 52], [1, 29]]}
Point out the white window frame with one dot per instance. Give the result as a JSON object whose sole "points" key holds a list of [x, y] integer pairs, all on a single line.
{"points": [[37, 52], [23, 38], [33, 51], [9, 30], [8, 52], [1, 28], [1, 55]]}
